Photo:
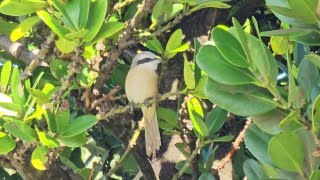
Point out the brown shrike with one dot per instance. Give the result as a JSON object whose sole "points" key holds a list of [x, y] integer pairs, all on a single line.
{"points": [[141, 85]]}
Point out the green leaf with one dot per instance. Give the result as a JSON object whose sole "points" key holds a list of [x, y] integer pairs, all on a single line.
{"points": [[280, 45], [262, 60], [286, 32], [286, 151], [39, 158], [5, 75], [47, 140], [154, 45], [53, 23], [292, 121], [70, 11], [227, 138], [206, 176], [76, 35], [253, 170], [169, 118], [65, 46], [50, 118], [212, 4], [20, 130], [9, 108], [305, 10], [229, 47], [257, 143], [282, 10], [215, 119], [174, 41], [107, 30], [84, 13], [315, 59], [316, 116], [62, 118], [23, 28], [74, 141], [235, 98], [7, 143], [270, 121], [307, 76], [181, 48], [196, 115], [98, 11], [161, 12], [21, 7], [315, 175], [41, 98], [188, 74], [17, 88], [219, 69], [7, 27], [79, 125], [59, 68], [198, 91]]}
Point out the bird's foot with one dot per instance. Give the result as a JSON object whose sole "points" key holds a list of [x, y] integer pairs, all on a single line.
{"points": [[148, 102]]}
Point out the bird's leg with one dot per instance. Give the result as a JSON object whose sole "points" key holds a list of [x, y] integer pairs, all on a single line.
{"points": [[148, 102], [132, 105]]}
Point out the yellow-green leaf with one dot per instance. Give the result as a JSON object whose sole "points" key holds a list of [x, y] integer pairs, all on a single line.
{"points": [[23, 28], [39, 158]]}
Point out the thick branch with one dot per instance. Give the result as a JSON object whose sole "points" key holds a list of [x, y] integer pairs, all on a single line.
{"points": [[18, 50]]}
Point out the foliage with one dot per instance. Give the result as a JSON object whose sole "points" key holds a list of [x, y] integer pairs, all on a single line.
{"points": [[56, 114]]}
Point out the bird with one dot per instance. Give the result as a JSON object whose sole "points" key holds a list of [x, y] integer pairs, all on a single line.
{"points": [[141, 85]]}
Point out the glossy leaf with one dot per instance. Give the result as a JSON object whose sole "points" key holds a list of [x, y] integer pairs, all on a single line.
{"points": [[316, 116], [21, 7], [154, 45], [107, 30], [76, 35], [219, 69], [234, 98], [7, 143], [215, 119], [23, 28], [98, 11], [307, 76], [174, 41], [256, 142], [269, 122], [84, 13], [17, 91], [292, 121], [229, 47], [286, 32], [20, 130], [39, 158], [198, 91], [79, 125], [279, 45], [5, 75], [196, 115], [315, 175], [65, 46], [59, 68], [8, 108], [74, 141], [212, 4], [188, 74], [286, 151], [53, 23], [206, 176], [62, 118], [47, 140], [169, 117], [41, 98], [253, 170], [305, 10], [71, 14]]}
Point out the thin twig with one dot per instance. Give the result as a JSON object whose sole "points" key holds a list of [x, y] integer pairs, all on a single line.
{"points": [[188, 161], [124, 109], [131, 144], [234, 147], [106, 97]]}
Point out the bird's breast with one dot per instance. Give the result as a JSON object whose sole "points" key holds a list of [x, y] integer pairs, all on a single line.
{"points": [[141, 84]]}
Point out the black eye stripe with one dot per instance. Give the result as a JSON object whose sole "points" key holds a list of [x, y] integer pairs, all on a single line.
{"points": [[146, 60]]}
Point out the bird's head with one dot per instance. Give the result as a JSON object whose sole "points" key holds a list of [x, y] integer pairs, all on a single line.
{"points": [[146, 59]]}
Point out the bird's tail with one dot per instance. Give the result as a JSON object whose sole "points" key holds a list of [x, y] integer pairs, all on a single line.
{"points": [[152, 135]]}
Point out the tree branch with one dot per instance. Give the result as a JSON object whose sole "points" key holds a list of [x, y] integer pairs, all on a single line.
{"points": [[18, 50]]}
